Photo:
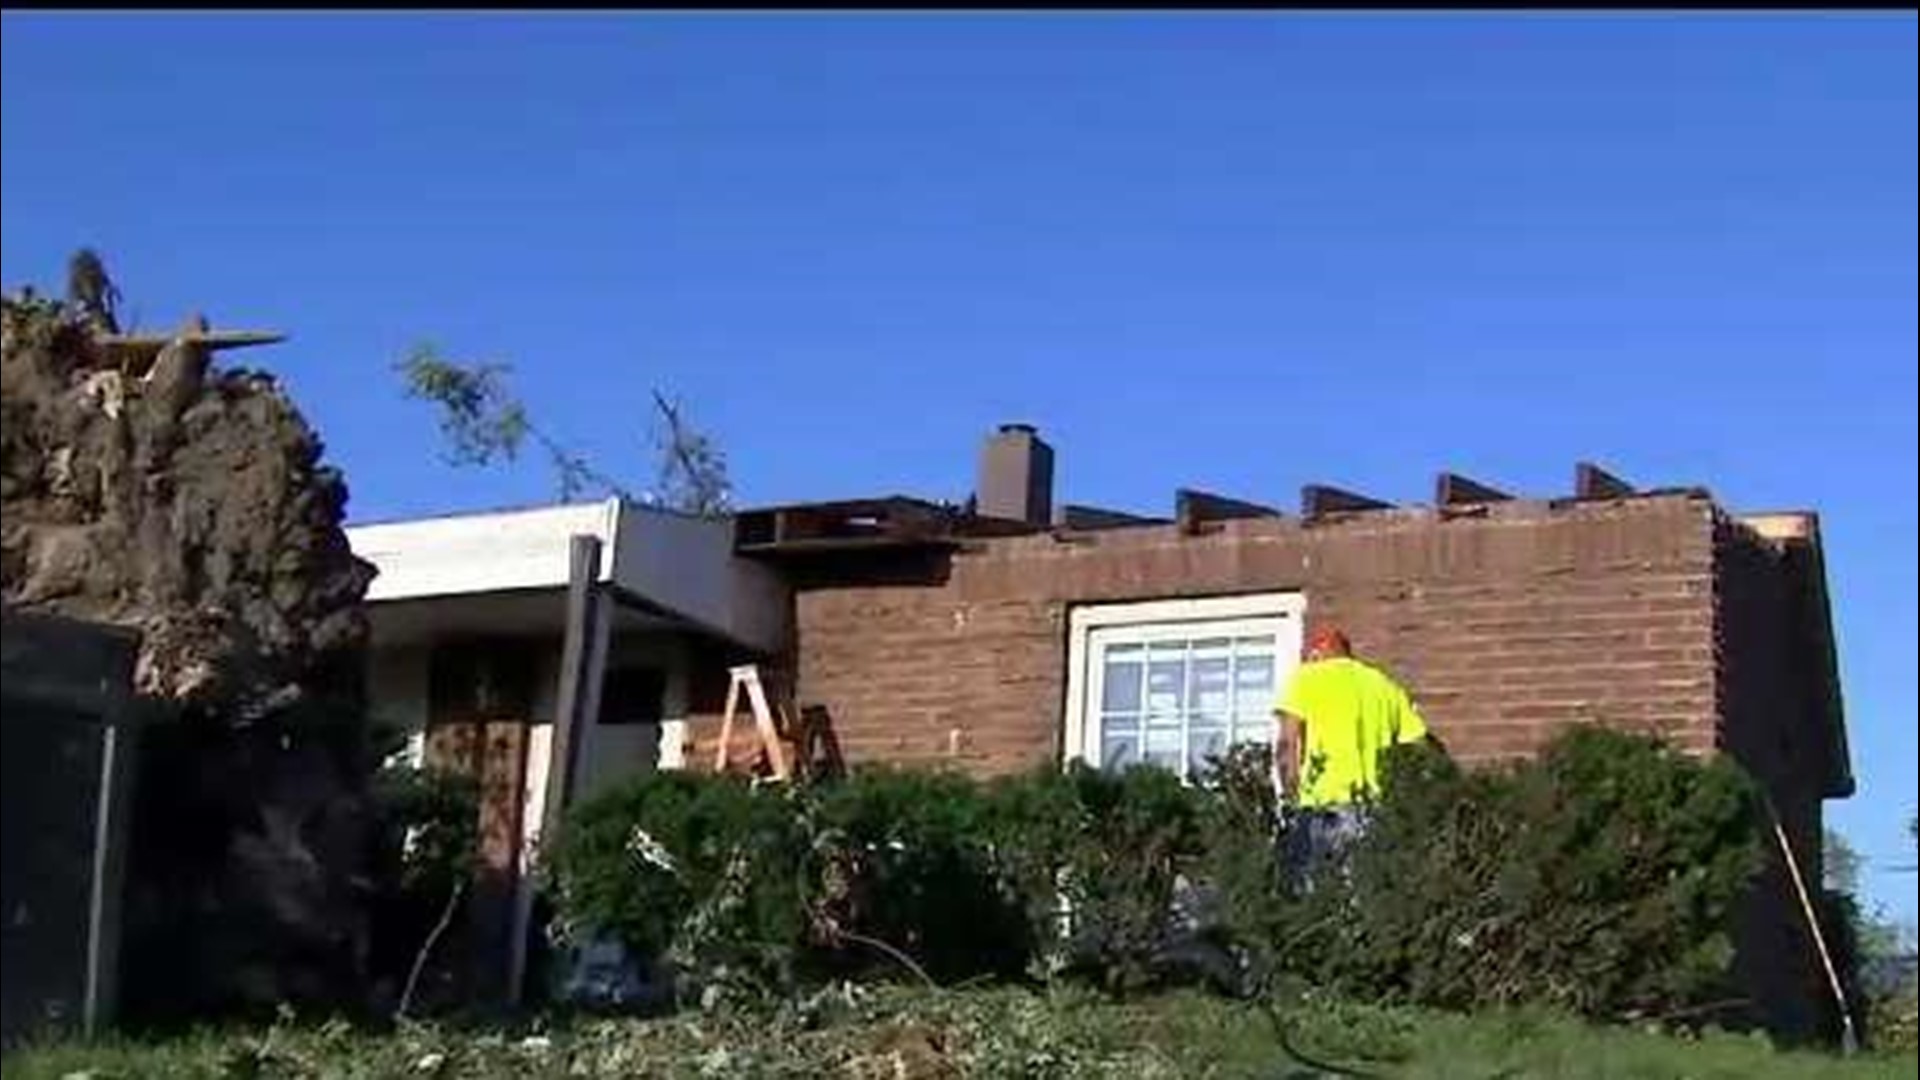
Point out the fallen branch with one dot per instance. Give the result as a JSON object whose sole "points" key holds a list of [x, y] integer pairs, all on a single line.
{"points": [[903, 958], [426, 948]]}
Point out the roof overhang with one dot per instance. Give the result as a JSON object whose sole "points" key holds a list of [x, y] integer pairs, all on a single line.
{"points": [[467, 571]]}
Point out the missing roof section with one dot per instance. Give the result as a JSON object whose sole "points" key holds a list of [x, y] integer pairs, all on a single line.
{"points": [[855, 524]]}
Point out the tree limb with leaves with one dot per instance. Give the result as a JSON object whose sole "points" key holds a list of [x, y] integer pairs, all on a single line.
{"points": [[484, 422]]}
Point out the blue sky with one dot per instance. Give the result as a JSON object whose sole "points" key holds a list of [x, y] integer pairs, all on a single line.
{"points": [[1240, 252]]}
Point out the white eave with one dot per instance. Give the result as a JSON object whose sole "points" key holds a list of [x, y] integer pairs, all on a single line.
{"points": [[681, 565]]}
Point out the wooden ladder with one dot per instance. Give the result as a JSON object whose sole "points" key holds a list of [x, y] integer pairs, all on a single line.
{"points": [[746, 679], [774, 726]]}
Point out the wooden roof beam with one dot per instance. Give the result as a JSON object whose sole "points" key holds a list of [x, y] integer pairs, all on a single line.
{"points": [[1452, 489], [1192, 509], [1317, 500], [1590, 481]]}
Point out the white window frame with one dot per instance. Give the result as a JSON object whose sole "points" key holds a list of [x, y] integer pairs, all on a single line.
{"points": [[1281, 614]]}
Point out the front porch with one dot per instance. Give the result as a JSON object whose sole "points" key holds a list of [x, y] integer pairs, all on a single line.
{"points": [[551, 653]]}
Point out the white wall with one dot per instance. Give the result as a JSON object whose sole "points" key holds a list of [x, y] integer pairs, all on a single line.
{"points": [[397, 692], [687, 564], [609, 754], [476, 553]]}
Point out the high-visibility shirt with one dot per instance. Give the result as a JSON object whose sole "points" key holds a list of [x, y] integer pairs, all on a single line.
{"points": [[1350, 713]]}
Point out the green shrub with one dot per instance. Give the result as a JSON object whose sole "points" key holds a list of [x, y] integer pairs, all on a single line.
{"points": [[903, 857], [705, 872], [1095, 858], [1598, 878]]}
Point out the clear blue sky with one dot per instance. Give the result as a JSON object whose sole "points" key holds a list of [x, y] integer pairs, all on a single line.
{"points": [[1240, 252]]}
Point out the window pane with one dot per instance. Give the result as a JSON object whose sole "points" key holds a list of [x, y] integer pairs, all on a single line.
{"points": [[1163, 748], [1252, 729], [1254, 673], [1166, 680], [1119, 747], [1208, 691], [1120, 683]]}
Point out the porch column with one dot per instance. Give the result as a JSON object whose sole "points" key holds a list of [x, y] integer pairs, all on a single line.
{"points": [[583, 661]]}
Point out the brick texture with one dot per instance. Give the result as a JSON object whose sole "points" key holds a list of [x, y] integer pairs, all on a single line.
{"points": [[1507, 625]]}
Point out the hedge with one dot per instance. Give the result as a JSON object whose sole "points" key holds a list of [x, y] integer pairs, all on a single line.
{"points": [[1599, 877]]}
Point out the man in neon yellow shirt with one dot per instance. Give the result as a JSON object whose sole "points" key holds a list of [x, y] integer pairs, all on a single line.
{"points": [[1337, 716]]}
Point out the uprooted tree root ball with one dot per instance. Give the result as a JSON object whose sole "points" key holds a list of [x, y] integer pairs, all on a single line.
{"points": [[153, 490]]}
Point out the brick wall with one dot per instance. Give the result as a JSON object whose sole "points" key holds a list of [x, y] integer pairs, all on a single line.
{"points": [[1506, 625]]}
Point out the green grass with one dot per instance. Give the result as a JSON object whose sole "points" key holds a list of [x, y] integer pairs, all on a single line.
{"points": [[899, 1033]]}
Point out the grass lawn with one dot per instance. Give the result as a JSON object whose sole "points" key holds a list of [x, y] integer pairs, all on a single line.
{"points": [[896, 1033]]}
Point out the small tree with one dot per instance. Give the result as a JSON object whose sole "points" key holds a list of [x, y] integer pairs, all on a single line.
{"points": [[483, 421], [693, 471]]}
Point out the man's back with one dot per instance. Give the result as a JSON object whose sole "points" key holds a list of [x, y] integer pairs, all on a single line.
{"points": [[1350, 713]]}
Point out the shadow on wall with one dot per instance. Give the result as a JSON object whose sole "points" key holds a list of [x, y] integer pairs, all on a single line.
{"points": [[908, 568]]}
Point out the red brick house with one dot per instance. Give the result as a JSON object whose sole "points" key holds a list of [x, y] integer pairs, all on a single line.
{"points": [[1001, 635], [1004, 635]]}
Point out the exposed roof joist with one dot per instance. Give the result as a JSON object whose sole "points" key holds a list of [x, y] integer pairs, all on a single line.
{"points": [[1193, 508], [1317, 500], [1590, 481], [1452, 489]]}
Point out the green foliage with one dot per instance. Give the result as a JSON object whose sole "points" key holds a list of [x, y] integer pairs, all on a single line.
{"points": [[1139, 836], [480, 417], [1891, 1022], [704, 871], [1598, 879], [425, 846], [428, 823], [692, 476], [484, 422], [900, 858]]}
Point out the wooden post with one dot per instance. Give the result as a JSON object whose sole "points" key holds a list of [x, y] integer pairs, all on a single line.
{"points": [[583, 658]]}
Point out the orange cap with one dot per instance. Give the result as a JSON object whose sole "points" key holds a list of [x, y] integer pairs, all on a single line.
{"points": [[1327, 641]]}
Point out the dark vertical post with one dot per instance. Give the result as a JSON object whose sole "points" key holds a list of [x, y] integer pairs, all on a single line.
{"points": [[576, 656], [109, 871], [582, 662]]}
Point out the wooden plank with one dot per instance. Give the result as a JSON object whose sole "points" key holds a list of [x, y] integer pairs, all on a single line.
{"points": [[1193, 508], [1318, 499], [1590, 481], [1452, 489], [211, 340]]}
